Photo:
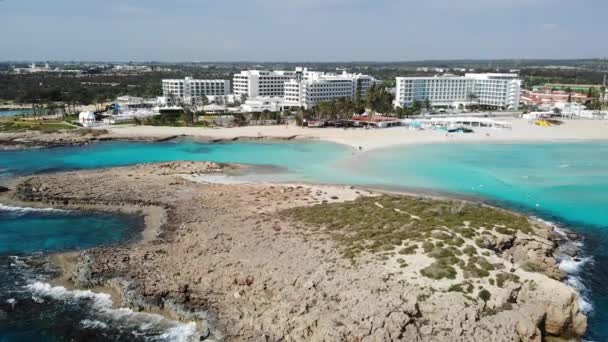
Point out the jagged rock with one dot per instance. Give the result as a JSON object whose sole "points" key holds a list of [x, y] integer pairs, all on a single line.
{"points": [[560, 310]]}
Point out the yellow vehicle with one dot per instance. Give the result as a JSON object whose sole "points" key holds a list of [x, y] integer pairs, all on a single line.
{"points": [[543, 123]]}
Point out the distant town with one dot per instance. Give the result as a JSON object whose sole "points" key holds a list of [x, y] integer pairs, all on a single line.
{"points": [[318, 94]]}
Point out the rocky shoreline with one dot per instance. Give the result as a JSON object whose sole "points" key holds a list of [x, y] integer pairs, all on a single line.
{"points": [[260, 261], [38, 139]]}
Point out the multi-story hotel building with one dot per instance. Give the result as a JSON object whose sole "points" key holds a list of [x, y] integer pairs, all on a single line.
{"points": [[190, 88], [308, 88], [501, 91], [254, 83]]}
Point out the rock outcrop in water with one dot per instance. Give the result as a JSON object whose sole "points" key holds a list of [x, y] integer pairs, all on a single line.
{"points": [[255, 261], [32, 139]]}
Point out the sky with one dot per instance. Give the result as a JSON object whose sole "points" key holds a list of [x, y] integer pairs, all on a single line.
{"points": [[301, 30]]}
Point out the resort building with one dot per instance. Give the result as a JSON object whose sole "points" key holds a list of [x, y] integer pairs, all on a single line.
{"points": [[189, 88], [33, 69], [501, 91], [264, 103], [254, 83], [539, 98], [309, 88]]}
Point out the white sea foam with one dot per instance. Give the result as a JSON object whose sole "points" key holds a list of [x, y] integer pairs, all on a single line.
{"points": [[93, 324], [100, 300], [104, 315], [583, 301], [29, 210], [573, 266], [181, 333], [11, 302]]}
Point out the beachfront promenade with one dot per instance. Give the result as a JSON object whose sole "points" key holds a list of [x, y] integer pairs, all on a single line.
{"points": [[522, 131]]}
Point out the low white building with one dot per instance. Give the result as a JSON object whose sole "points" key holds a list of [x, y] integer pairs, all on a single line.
{"points": [[87, 119], [133, 102], [189, 88], [265, 103], [501, 91], [454, 122]]}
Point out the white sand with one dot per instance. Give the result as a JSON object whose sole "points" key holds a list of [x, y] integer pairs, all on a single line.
{"points": [[522, 131]]}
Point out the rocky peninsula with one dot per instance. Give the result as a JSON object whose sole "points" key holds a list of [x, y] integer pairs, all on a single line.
{"points": [[280, 262]]}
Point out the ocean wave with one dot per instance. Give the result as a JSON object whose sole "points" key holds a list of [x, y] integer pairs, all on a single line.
{"points": [[584, 301], [548, 223], [93, 324], [573, 266], [99, 300], [24, 210], [153, 326], [182, 333]]}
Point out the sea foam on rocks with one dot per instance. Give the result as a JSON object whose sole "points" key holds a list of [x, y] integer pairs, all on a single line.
{"points": [[24, 210], [103, 316]]}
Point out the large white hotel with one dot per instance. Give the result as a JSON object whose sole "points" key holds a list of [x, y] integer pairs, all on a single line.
{"points": [[191, 88], [501, 91], [301, 88], [310, 87], [254, 83]]}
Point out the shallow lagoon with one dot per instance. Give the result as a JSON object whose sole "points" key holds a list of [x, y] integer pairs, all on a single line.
{"points": [[563, 182]]}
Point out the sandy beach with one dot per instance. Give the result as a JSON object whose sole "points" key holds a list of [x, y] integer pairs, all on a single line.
{"points": [[366, 139], [522, 131]]}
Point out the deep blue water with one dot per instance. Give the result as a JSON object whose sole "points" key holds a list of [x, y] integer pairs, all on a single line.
{"points": [[563, 182], [29, 231]]}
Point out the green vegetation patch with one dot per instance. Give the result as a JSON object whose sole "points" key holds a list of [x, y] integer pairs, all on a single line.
{"points": [[377, 224], [532, 267], [502, 278], [438, 270], [408, 250], [477, 267], [465, 287], [485, 295], [43, 126]]}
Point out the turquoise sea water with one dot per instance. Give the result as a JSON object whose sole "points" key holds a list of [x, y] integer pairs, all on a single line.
{"points": [[298, 158], [566, 182]]}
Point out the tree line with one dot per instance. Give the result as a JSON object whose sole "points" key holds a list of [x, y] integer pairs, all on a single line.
{"points": [[377, 99]]}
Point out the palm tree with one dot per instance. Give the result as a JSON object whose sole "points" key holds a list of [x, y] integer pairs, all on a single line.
{"points": [[472, 97], [427, 104]]}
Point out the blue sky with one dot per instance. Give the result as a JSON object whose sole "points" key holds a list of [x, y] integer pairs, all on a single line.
{"points": [[301, 30]]}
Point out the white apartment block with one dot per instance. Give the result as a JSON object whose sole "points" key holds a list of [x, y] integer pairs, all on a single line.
{"points": [[309, 88], [189, 88], [255, 83], [501, 91]]}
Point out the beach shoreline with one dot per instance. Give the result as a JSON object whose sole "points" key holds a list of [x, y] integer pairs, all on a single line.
{"points": [[371, 139], [182, 227], [523, 131]]}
